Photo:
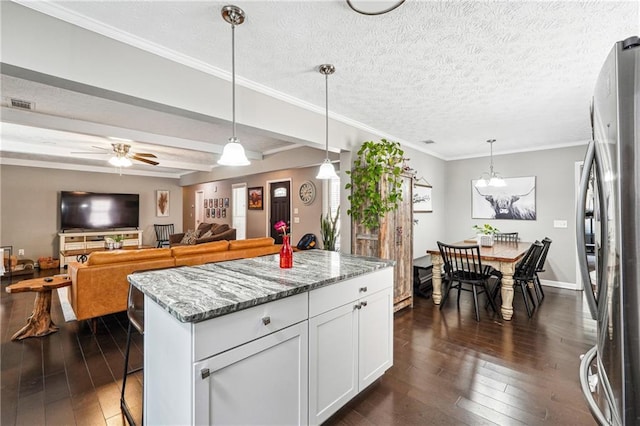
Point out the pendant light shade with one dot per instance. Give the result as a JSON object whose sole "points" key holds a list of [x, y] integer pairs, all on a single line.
{"points": [[491, 179], [327, 171], [233, 153]]}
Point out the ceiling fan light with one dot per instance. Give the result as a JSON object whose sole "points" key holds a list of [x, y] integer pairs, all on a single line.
{"points": [[233, 154], [117, 161], [327, 171]]}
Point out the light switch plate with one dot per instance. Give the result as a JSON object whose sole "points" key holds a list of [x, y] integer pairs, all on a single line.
{"points": [[295, 210], [559, 223], [296, 219]]}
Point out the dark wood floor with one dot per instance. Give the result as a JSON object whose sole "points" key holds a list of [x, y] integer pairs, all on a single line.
{"points": [[448, 369]]}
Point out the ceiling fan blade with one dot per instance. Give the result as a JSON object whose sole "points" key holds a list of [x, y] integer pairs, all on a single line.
{"points": [[99, 147], [88, 152], [144, 160], [145, 154]]}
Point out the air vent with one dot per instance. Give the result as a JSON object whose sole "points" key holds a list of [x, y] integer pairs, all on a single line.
{"points": [[22, 104]]}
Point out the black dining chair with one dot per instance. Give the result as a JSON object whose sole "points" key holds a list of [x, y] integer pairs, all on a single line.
{"points": [[546, 243], [525, 273], [506, 237], [162, 234], [464, 272]]}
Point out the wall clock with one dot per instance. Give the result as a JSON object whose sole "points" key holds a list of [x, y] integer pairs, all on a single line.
{"points": [[307, 192]]}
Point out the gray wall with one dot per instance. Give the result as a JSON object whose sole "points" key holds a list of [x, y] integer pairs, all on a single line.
{"points": [[29, 216], [555, 200]]}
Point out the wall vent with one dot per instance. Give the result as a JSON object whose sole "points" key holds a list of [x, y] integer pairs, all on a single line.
{"points": [[22, 104]]}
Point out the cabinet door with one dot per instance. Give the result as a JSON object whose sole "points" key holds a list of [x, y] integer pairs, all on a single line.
{"points": [[333, 357], [376, 336], [261, 382]]}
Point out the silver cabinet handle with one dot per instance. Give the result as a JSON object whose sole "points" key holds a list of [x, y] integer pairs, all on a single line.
{"points": [[204, 373], [266, 320], [363, 289], [363, 303]]}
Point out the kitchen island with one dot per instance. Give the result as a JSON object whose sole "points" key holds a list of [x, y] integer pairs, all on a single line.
{"points": [[245, 342]]}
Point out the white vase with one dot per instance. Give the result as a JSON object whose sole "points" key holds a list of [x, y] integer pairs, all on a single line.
{"points": [[485, 240]]}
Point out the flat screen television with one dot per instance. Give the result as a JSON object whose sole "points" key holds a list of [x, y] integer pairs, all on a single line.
{"points": [[90, 210]]}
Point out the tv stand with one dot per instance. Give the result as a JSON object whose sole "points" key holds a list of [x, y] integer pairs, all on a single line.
{"points": [[73, 244]]}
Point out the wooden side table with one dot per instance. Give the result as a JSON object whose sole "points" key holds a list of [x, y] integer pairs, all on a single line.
{"points": [[39, 323]]}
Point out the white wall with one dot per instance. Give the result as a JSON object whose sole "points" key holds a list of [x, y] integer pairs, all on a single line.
{"points": [[30, 216], [555, 200]]}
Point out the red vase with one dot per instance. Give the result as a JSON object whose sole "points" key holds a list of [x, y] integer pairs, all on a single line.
{"points": [[286, 253]]}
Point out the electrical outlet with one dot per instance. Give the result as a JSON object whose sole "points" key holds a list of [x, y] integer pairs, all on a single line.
{"points": [[20, 252], [296, 219]]}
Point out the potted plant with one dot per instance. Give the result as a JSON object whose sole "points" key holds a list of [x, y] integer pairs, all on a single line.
{"points": [[329, 230], [114, 242], [378, 163], [485, 234]]}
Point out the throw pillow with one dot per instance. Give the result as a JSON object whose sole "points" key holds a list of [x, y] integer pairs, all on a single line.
{"points": [[206, 234], [189, 237]]}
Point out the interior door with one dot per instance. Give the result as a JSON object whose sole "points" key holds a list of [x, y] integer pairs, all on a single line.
{"points": [[239, 210], [279, 207], [199, 209]]}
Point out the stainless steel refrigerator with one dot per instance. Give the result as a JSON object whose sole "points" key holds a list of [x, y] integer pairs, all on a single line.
{"points": [[609, 207]]}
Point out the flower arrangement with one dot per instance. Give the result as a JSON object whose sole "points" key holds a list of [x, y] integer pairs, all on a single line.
{"points": [[281, 227]]}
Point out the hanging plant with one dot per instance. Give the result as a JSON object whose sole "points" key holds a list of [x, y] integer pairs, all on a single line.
{"points": [[376, 162]]}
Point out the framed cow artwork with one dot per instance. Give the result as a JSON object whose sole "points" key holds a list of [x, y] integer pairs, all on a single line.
{"points": [[516, 200]]}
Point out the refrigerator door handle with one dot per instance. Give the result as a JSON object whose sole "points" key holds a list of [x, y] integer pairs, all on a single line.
{"points": [[585, 379], [580, 229]]}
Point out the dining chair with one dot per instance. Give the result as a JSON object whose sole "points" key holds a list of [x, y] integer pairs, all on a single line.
{"points": [[525, 273], [162, 234], [546, 243], [135, 313], [506, 237], [463, 270]]}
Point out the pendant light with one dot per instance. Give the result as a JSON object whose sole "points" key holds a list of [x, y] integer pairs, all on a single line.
{"points": [[492, 178], [326, 169], [233, 152]]}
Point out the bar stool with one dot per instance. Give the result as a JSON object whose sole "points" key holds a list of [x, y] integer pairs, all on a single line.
{"points": [[162, 234], [135, 313]]}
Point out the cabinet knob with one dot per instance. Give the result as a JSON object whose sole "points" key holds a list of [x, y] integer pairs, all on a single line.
{"points": [[358, 306], [363, 303], [266, 320], [363, 289]]}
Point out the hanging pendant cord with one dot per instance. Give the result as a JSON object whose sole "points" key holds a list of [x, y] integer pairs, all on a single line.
{"points": [[326, 132], [233, 78]]}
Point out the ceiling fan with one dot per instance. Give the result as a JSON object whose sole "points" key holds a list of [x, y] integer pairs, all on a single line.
{"points": [[122, 155]]}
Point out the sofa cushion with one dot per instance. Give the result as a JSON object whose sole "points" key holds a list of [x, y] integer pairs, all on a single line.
{"points": [[117, 256], [190, 237], [250, 243], [222, 227], [216, 246], [203, 228], [206, 234]]}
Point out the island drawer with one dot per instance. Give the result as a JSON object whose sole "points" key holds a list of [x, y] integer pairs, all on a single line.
{"points": [[219, 334], [332, 296]]}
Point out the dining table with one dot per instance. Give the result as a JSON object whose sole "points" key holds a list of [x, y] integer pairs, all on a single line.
{"points": [[503, 256]]}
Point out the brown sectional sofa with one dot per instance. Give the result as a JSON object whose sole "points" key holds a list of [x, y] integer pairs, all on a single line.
{"points": [[219, 231], [100, 287]]}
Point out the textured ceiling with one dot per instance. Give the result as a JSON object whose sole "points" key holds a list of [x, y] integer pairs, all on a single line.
{"points": [[454, 72]]}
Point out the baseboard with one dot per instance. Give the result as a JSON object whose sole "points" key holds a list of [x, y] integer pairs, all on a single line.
{"points": [[560, 284]]}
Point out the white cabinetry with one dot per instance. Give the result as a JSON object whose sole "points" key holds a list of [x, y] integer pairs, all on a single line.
{"points": [[350, 340], [247, 367], [73, 244]]}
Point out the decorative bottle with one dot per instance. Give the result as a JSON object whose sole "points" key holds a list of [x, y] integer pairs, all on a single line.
{"points": [[286, 253]]}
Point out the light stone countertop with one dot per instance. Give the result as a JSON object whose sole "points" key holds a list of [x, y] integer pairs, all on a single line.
{"points": [[198, 293]]}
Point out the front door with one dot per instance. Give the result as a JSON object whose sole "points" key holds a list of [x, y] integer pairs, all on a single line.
{"points": [[280, 207]]}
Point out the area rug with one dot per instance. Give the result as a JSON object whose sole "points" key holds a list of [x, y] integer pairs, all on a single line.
{"points": [[67, 310]]}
